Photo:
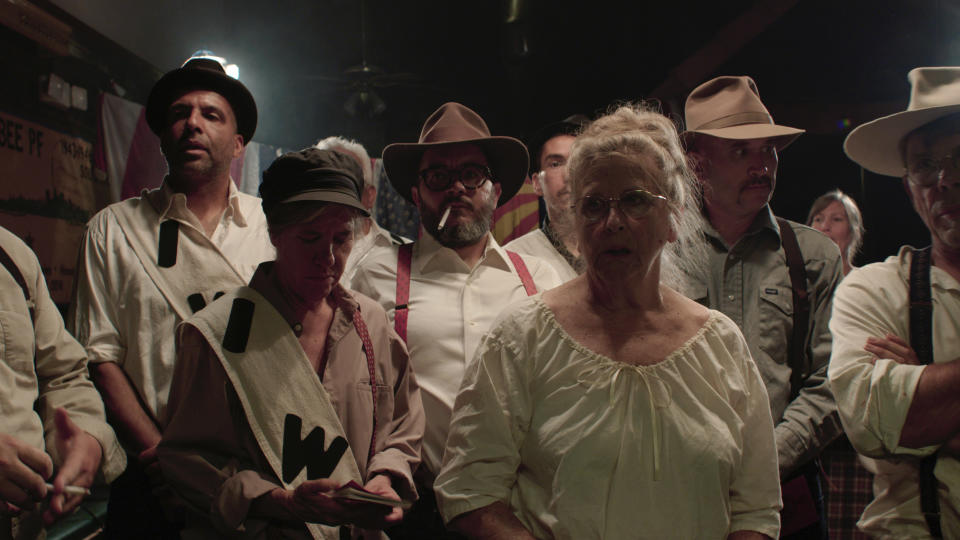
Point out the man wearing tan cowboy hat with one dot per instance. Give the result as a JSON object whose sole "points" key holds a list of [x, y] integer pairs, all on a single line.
{"points": [[895, 367], [444, 291], [774, 277], [555, 240], [150, 262]]}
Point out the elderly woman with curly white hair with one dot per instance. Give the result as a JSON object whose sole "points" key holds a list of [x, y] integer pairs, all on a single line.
{"points": [[613, 406]]}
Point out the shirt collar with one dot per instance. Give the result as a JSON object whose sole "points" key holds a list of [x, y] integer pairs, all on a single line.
{"points": [[939, 278], [575, 262], [264, 283], [172, 205], [764, 221], [434, 256]]}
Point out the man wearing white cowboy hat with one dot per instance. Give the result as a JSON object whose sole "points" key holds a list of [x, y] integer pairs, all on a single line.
{"points": [[150, 262], [444, 291], [774, 277], [895, 367]]}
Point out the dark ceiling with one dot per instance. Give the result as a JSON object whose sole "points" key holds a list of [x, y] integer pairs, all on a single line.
{"points": [[521, 63]]}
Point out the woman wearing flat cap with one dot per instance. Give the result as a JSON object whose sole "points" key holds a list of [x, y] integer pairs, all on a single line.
{"points": [[613, 407], [293, 386]]}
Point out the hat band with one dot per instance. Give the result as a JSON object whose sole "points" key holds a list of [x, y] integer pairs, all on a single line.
{"points": [[749, 117]]}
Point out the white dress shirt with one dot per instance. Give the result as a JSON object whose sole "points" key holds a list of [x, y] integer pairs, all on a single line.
{"points": [[120, 315], [451, 307], [873, 397], [537, 244], [366, 248]]}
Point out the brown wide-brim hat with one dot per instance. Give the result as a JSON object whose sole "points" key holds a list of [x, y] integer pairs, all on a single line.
{"points": [[202, 74], [730, 108], [934, 94], [452, 124]]}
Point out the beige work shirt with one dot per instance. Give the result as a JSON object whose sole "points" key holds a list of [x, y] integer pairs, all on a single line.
{"points": [[451, 307], [119, 313], [873, 398], [750, 283], [42, 368]]}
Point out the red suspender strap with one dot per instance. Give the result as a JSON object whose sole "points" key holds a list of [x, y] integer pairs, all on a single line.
{"points": [[361, 328], [522, 271], [402, 310]]}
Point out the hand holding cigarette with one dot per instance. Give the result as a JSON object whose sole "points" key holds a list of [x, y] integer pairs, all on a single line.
{"points": [[69, 490]]}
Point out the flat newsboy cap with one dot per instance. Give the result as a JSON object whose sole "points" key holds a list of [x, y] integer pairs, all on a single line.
{"points": [[202, 74], [312, 174]]}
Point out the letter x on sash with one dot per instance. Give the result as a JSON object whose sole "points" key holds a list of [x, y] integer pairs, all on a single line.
{"points": [[404, 261]]}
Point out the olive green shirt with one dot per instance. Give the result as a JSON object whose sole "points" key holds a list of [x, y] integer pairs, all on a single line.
{"points": [[750, 283]]}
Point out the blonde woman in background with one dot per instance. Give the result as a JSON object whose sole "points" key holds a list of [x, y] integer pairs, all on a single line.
{"points": [[850, 477], [836, 215]]}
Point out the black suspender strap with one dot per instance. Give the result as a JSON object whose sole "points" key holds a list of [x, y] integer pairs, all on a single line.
{"points": [[921, 306], [801, 306], [14, 270], [921, 340]]}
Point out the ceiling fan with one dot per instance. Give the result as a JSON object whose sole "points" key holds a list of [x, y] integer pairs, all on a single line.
{"points": [[363, 80]]}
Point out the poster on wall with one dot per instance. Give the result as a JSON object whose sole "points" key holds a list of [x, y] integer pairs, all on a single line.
{"points": [[47, 195]]}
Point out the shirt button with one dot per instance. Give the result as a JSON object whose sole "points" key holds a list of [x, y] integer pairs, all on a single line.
{"points": [[730, 298], [473, 323]]}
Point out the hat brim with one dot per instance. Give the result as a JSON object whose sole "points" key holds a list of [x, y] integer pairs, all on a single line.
{"points": [[506, 156], [875, 146], [784, 135], [327, 196], [179, 81]]}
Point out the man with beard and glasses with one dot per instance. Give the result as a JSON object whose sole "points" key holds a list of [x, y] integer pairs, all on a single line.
{"points": [[555, 240], [444, 291], [774, 277], [150, 262], [895, 367]]}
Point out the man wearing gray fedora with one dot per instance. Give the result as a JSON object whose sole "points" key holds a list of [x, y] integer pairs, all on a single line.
{"points": [[150, 262], [443, 291], [895, 367], [774, 277]]}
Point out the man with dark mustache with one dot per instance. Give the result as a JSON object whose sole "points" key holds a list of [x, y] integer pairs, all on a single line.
{"points": [[555, 240], [150, 262], [444, 291], [774, 277], [895, 367]]}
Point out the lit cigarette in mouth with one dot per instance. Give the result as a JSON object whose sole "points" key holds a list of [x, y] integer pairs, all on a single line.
{"points": [[71, 490], [443, 219]]}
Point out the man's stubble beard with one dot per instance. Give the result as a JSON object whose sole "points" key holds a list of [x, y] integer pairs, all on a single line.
{"points": [[463, 234]]}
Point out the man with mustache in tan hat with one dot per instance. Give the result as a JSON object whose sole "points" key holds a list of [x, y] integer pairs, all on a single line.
{"points": [[444, 291], [774, 277], [895, 367]]}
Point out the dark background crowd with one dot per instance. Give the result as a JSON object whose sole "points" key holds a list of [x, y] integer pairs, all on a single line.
{"points": [[821, 65]]}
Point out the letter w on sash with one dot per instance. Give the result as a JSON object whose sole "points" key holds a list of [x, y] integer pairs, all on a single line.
{"points": [[308, 452]]}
